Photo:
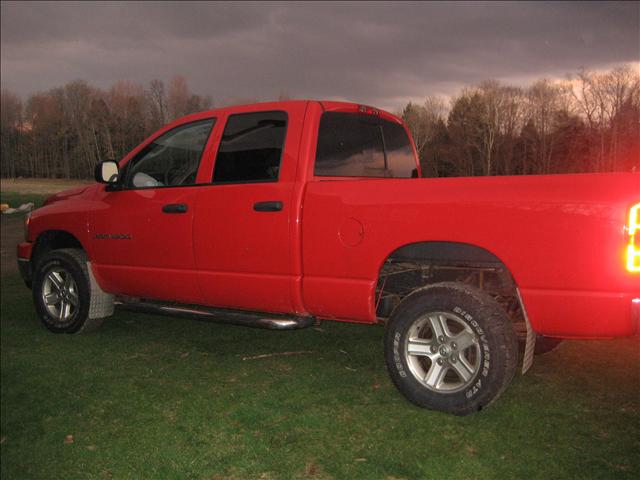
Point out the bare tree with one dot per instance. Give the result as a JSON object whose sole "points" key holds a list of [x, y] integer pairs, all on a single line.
{"points": [[464, 125], [545, 100], [511, 123], [10, 129], [493, 101], [158, 103], [178, 97], [422, 121], [609, 102]]}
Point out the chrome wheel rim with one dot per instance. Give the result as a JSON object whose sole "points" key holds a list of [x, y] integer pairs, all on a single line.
{"points": [[60, 295], [442, 352]]}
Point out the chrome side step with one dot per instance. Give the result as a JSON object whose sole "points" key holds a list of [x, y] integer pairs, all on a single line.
{"points": [[218, 315]]}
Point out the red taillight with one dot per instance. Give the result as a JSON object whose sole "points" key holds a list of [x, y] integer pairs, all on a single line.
{"points": [[633, 247]]}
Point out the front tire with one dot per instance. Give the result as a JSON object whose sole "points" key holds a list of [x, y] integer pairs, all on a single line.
{"points": [[62, 292], [450, 347]]}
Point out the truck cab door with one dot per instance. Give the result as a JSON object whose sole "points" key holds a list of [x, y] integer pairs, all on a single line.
{"points": [[245, 218], [142, 238]]}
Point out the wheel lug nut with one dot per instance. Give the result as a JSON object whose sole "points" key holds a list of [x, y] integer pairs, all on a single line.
{"points": [[453, 345], [441, 338], [434, 349], [440, 361], [453, 359]]}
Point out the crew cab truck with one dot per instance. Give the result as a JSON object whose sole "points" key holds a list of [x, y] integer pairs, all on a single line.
{"points": [[283, 214]]}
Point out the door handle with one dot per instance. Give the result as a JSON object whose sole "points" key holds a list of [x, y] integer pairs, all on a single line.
{"points": [[271, 206], [175, 208]]}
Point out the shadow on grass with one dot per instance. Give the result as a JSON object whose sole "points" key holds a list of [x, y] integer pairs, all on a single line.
{"points": [[157, 397]]}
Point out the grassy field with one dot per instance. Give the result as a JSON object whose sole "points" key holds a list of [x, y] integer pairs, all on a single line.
{"points": [[40, 186], [149, 397], [15, 199]]}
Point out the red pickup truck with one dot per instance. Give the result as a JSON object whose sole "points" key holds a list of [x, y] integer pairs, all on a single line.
{"points": [[280, 215]]}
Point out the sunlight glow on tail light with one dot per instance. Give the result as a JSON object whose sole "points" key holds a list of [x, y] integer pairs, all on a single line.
{"points": [[633, 249]]}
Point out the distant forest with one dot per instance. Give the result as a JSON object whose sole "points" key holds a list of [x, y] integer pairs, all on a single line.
{"points": [[589, 122]]}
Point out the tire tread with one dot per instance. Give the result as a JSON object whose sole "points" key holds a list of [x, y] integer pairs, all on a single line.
{"points": [[495, 323]]}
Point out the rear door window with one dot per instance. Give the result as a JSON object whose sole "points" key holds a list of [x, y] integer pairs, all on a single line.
{"points": [[357, 145], [251, 148]]}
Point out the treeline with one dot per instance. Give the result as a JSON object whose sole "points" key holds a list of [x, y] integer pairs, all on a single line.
{"points": [[588, 123], [64, 132]]}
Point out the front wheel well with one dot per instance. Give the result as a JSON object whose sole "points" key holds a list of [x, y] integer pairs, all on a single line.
{"points": [[53, 240]]}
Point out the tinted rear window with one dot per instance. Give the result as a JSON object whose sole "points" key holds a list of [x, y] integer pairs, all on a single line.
{"points": [[251, 147], [402, 163], [354, 145]]}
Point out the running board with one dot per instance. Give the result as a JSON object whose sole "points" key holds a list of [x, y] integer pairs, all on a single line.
{"points": [[218, 315]]}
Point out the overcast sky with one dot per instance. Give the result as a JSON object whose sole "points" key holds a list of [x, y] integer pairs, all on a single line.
{"points": [[382, 54]]}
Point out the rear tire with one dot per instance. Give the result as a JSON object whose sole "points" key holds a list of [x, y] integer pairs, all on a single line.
{"points": [[450, 347], [62, 291]]}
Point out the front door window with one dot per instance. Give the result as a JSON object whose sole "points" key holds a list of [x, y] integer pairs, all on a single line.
{"points": [[170, 160]]}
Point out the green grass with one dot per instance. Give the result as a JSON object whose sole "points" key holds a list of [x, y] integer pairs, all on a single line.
{"points": [[16, 199], [157, 397]]}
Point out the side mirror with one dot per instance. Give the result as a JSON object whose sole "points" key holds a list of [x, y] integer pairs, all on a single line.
{"points": [[107, 172]]}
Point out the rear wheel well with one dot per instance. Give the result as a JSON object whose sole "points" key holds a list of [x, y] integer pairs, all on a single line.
{"points": [[424, 263], [53, 240]]}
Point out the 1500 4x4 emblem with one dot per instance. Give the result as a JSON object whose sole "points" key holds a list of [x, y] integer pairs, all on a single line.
{"points": [[112, 236]]}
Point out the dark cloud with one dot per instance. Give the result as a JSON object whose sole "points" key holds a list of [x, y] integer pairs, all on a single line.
{"points": [[378, 53]]}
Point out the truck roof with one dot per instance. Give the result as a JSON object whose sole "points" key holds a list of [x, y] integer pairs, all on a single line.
{"points": [[326, 105]]}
